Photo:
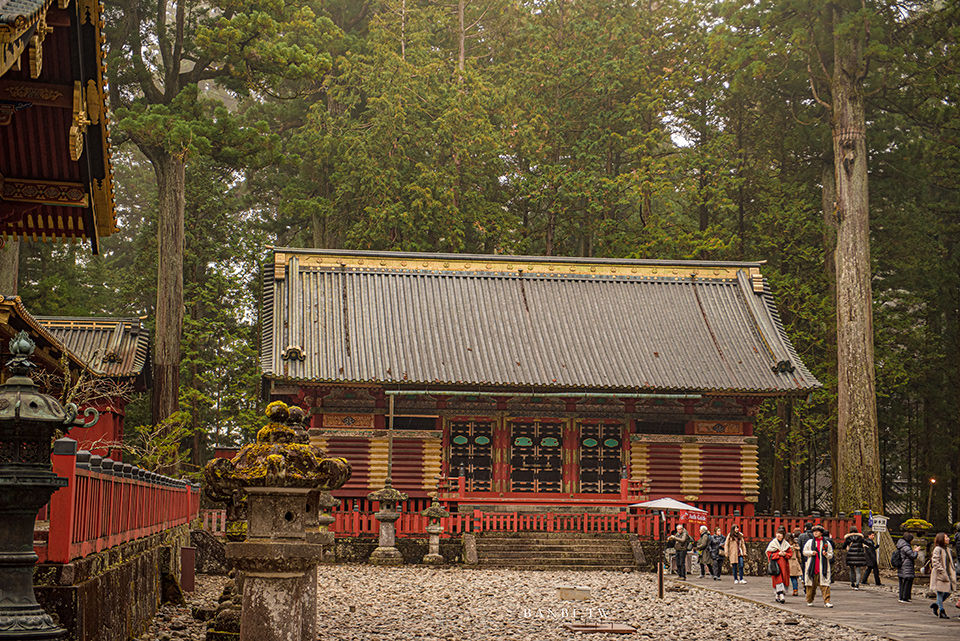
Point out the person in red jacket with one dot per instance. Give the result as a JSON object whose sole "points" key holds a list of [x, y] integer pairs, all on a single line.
{"points": [[779, 551]]}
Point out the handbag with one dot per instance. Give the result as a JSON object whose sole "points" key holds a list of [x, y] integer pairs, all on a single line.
{"points": [[773, 569]]}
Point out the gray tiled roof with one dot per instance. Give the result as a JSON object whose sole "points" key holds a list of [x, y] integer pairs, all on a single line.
{"points": [[115, 347], [10, 10], [406, 320]]}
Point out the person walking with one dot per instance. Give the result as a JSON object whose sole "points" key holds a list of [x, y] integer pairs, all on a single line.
{"points": [[715, 550], [907, 571], [702, 555], [807, 534], [681, 543], [735, 548], [794, 562], [779, 552], [943, 576], [870, 551], [856, 556], [817, 552]]}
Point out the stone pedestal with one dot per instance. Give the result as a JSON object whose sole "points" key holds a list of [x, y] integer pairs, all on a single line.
{"points": [[388, 497], [433, 556], [435, 512], [279, 589], [387, 552], [283, 477]]}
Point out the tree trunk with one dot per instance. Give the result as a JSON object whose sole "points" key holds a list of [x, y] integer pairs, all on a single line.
{"points": [[169, 313], [858, 448], [828, 200], [9, 266]]}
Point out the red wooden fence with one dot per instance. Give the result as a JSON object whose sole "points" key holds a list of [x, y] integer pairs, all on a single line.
{"points": [[356, 523], [98, 510]]}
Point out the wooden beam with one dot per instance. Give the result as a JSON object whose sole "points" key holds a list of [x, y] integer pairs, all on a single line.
{"points": [[39, 94], [44, 192]]}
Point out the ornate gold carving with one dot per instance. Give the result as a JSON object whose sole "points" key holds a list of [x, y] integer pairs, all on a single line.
{"points": [[64, 194], [94, 102], [10, 54], [33, 92], [36, 47], [63, 4], [80, 122], [348, 420], [718, 427]]}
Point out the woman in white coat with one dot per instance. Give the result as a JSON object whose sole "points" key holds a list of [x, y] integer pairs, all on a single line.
{"points": [[817, 553]]}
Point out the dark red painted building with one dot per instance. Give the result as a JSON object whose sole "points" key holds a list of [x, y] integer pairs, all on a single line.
{"points": [[539, 381]]}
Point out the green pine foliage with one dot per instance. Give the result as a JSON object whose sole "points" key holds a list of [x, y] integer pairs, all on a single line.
{"points": [[683, 130]]}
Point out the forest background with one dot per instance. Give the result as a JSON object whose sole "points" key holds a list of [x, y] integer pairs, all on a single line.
{"points": [[674, 129]]}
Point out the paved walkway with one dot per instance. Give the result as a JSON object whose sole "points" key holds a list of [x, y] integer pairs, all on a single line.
{"points": [[872, 609]]}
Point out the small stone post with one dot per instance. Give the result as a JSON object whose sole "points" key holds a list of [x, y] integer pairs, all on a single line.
{"points": [[388, 497], [277, 562], [435, 512]]}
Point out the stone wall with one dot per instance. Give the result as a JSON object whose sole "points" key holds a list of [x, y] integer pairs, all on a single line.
{"points": [[112, 595], [357, 550]]}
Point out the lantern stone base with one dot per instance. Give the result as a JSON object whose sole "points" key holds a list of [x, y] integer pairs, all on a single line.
{"points": [[279, 589], [386, 556]]}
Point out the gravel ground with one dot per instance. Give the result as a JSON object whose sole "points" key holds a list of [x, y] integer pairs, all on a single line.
{"points": [[365, 603], [177, 622], [453, 604]]}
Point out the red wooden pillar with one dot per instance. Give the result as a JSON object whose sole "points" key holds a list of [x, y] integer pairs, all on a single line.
{"points": [[501, 456], [570, 447], [63, 501]]}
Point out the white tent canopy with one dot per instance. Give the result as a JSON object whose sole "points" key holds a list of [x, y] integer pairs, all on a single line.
{"points": [[668, 505]]}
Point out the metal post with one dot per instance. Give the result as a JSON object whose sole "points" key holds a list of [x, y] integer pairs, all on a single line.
{"points": [[660, 555]]}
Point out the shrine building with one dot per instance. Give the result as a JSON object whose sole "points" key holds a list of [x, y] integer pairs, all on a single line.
{"points": [[111, 354], [530, 383]]}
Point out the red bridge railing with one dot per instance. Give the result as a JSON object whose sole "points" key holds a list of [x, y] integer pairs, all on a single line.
{"points": [[106, 504]]}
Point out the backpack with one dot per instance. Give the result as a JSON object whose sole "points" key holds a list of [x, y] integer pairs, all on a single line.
{"points": [[896, 559]]}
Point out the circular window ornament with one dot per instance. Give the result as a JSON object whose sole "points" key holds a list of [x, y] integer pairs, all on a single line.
{"points": [[549, 442], [460, 440], [481, 440], [611, 442], [589, 442], [522, 441]]}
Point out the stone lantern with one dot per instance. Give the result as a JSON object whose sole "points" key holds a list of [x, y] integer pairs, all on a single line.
{"points": [[277, 564], [435, 512], [388, 497], [28, 421]]}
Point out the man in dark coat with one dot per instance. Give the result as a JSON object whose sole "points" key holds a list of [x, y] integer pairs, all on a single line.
{"points": [[856, 556], [870, 550]]}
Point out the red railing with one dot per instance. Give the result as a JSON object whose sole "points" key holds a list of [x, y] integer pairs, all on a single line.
{"points": [[359, 524], [98, 510]]}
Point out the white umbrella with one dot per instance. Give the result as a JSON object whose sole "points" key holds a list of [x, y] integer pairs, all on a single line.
{"points": [[668, 505], [665, 505]]}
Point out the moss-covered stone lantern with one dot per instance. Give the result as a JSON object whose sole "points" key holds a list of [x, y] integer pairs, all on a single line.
{"points": [[277, 564], [434, 513], [388, 497], [28, 421]]}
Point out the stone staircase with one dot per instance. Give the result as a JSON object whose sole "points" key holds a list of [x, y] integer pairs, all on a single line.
{"points": [[555, 551]]}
